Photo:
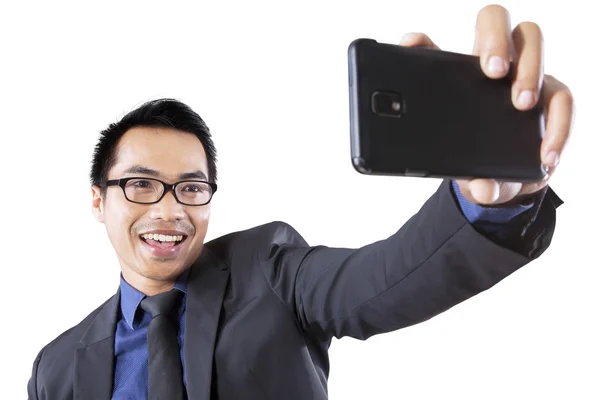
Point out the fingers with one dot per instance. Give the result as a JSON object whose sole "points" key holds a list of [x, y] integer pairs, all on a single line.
{"points": [[415, 39], [493, 41], [559, 120], [494, 44], [528, 42]]}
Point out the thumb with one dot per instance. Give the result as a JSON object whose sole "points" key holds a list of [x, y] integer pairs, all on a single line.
{"points": [[484, 191]]}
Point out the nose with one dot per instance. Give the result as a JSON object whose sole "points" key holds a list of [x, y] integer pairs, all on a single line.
{"points": [[167, 209]]}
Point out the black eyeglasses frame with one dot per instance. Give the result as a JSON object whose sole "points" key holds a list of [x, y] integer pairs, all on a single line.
{"points": [[167, 187]]}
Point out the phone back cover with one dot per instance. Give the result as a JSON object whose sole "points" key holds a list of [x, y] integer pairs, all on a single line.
{"points": [[456, 122]]}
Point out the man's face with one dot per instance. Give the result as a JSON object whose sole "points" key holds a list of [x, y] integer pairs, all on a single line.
{"points": [[170, 154]]}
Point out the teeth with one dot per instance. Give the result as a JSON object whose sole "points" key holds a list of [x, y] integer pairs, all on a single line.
{"points": [[162, 238]]}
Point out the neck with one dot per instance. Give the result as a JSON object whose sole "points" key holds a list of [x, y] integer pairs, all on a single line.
{"points": [[148, 286]]}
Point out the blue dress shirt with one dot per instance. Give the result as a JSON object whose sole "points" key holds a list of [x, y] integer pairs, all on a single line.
{"points": [[131, 353]]}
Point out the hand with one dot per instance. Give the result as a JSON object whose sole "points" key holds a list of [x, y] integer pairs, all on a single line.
{"points": [[496, 46]]}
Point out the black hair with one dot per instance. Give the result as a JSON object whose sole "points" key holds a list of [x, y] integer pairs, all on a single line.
{"points": [[164, 113]]}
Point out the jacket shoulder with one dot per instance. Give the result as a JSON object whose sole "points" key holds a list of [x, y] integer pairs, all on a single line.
{"points": [[259, 238], [69, 340]]}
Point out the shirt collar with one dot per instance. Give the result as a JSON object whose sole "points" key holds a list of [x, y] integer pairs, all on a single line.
{"points": [[131, 297]]}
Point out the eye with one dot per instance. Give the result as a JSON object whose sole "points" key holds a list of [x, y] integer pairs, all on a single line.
{"points": [[193, 188], [141, 183]]}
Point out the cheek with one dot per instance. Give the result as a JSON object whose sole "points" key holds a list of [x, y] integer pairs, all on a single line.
{"points": [[200, 220], [119, 219]]}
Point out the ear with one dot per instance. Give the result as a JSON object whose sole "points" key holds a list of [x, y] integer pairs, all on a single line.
{"points": [[97, 204]]}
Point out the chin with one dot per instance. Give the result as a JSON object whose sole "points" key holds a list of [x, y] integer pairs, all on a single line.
{"points": [[163, 270]]}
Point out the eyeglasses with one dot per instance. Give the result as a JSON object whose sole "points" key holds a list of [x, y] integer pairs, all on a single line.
{"points": [[150, 191]]}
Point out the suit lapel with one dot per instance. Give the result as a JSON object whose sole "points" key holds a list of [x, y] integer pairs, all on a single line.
{"points": [[206, 288], [94, 363]]}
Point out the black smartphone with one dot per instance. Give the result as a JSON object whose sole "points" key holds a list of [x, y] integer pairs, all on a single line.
{"points": [[432, 113]]}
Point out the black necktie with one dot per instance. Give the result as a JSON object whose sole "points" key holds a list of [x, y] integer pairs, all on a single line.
{"points": [[165, 377]]}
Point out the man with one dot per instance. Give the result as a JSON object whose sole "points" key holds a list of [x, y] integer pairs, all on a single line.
{"points": [[250, 315]]}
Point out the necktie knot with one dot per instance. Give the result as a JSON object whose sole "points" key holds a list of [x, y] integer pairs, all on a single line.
{"points": [[162, 303]]}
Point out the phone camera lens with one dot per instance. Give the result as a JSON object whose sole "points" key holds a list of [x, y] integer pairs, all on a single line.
{"points": [[387, 104]]}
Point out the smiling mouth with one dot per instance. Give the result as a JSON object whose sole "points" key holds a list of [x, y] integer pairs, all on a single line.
{"points": [[163, 241]]}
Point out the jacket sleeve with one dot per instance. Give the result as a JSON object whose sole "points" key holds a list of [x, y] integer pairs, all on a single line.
{"points": [[436, 260], [32, 393]]}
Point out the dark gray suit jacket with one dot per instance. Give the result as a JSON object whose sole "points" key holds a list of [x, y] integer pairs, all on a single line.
{"points": [[263, 305]]}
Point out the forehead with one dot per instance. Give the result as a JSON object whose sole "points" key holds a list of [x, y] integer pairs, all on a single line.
{"points": [[166, 150]]}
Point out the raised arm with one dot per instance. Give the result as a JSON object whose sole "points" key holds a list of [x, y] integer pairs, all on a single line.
{"points": [[433, 262]]}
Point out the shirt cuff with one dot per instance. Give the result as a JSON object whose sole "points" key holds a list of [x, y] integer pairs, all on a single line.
{"points": [[476, 213]]}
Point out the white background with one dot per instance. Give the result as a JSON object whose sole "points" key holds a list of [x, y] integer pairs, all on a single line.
{"points": [[270, 79]]}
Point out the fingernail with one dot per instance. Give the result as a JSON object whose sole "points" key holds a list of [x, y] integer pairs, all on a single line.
{"points": [[497, 65], [552, 159], [526, 98]]}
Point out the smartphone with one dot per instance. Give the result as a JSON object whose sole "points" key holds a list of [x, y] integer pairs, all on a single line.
{"points": [[431, 113]]}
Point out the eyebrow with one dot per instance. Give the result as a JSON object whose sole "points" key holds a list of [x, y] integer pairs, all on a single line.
{"points": [[138, 169]]}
